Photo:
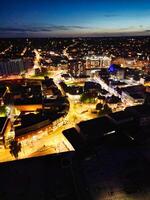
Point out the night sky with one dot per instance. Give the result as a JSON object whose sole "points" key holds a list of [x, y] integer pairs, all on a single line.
{"points": [[67, 18]]}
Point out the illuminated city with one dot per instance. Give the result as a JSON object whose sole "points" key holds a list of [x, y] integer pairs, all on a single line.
{"points": [[75, 101]]}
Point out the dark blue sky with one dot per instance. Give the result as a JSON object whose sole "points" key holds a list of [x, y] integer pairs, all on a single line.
{"points": [[62, 18]]}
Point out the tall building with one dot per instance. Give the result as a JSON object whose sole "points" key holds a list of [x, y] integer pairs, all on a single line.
{"points": [[97, 61], [77, 68], [11, 66]]}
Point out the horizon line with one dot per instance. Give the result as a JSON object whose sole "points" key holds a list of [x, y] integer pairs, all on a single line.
{"points": [[61, 37]]}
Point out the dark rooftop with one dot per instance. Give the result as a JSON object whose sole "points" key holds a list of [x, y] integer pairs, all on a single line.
{"points": [[138, 89], [38, 178], [96, 128], [139, 110], [121, 116], [74, 138]]}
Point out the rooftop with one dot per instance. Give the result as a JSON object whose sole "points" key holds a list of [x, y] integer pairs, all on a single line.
{"points": [[121, 116], [96, 128], [139, 110], [38, 178]]}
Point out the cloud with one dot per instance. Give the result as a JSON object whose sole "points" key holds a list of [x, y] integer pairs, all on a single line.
{"points": [[127, 28], [70, 31], [111, 15], [120, 33], [141, 26], [147, 31], [50, 28]]}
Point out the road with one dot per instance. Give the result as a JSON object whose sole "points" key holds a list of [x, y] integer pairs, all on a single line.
{"points": [[53, 142], [24, 51], [65, 53], [5, 51], [37, 59]]}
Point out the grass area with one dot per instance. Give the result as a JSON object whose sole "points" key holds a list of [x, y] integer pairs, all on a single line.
{"points": [[87, 99], [3, 111], [41, 76], [71, 83]]}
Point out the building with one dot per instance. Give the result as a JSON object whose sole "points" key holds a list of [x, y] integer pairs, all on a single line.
{"points": [[118, 168], [97, 61], [120, 75], [141, 113], [77, 68], [94, 130], [48, 177], [28, 63], [11, 67], [145, 80], [116, 71], [130, 62], [133, 95], [27, 98]]}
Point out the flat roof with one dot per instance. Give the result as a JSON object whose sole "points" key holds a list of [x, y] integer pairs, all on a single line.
{"points": [[116, 173], [74, 138], [134, 89], [121, 115], [139, 109], [42, 178], [97, 127]]}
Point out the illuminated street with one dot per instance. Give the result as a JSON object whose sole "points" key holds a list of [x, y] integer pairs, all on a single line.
{"points": [[37, 59], [49, 144]]}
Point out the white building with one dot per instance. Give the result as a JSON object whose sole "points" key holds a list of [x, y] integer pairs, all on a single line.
{"points": [[97, 61]]}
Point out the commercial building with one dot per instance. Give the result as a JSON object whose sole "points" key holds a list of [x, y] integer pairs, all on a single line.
{"points": [[132, 124], [11, 67], [94, 130], [27, 97], [133, 95], [97, 61]]}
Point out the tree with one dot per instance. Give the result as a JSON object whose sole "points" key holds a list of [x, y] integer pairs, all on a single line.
{"points": [[15, 148], [3, 111], [87, 98]]}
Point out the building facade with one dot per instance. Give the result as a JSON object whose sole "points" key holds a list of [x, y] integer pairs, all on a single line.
{"points": [[77, 68], [97, 61], [11, 67]]}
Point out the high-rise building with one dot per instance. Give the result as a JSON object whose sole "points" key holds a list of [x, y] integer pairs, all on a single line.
{"points": [[11, 66], [97, 61], [77, 68]]}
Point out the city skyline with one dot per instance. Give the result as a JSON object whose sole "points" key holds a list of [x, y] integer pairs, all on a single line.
{"points": [[74, 19]]}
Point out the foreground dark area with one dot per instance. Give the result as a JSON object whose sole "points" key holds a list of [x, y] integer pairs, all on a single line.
{"points": [[111, 173], [111, 161]]}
